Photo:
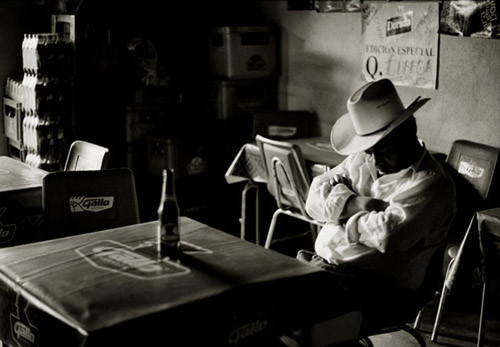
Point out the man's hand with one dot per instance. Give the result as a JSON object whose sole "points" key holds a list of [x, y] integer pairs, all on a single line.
{"points": [[358, 203], [340, 179]]}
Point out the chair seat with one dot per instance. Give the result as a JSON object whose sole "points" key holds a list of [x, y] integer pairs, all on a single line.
{"points": [[294, 214]]}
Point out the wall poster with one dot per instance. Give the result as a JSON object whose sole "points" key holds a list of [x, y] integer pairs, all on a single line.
{"points": [[400, 42], [470, 18]]}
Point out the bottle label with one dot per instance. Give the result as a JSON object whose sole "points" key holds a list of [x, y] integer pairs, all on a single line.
{"points": [[169, 240], [170, 235]]}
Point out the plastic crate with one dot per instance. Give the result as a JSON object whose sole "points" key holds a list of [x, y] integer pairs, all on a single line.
{"points": [[233, 98], [12, 119], [243, 52]]}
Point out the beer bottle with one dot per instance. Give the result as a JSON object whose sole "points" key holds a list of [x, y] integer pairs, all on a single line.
{"points": [[168, 218]]}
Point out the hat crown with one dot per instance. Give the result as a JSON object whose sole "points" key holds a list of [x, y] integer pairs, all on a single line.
{"points": [[374, 106]]}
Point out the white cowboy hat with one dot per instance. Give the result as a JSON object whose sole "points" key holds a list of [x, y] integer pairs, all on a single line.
{"points": [[375, 110]]}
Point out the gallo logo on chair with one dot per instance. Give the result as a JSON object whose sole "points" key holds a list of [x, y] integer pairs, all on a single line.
{"points": [[91, 204]]}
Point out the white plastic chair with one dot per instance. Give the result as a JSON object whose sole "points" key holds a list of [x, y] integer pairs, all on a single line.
{"points": [[84, 155], [288, 181], [475, 170]]}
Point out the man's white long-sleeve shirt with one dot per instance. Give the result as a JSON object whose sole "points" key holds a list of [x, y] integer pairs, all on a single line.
{"points": [[396, 243]]}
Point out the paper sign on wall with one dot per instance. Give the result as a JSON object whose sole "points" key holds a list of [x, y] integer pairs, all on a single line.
{"points": [[400, 42]]}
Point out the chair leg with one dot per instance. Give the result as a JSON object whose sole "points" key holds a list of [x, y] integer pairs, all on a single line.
{"points": [[243, 211], [418, 320], [366, 342], [314, 232], [437, 321], [315, 229], [247, 187], [413, 333], [271, 229], [257, 216], [482, 317]]}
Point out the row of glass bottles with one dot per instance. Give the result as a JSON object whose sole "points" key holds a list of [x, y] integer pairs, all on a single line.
{"points": [[45, 108], [46, 54], [46, 99], [43, 141]]}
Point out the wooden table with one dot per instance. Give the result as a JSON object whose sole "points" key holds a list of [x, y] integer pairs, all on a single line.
{"points": [[20, 201], [18, 176], [110, 287]]}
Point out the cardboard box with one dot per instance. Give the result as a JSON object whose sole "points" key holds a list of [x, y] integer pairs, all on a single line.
{"points": [[20, 202], [109, 289], [20, 217]]}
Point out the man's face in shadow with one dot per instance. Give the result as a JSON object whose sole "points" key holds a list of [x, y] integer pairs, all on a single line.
{"points": [[394, 152]]}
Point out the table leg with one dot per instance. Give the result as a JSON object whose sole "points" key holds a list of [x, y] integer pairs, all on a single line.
{"points": [[257, 217], [244, 193]]}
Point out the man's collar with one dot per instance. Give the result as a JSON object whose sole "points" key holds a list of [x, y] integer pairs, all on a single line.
{"points": [[416, 164]]}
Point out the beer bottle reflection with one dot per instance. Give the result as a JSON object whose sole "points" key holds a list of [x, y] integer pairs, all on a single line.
{"points": [[168, 218]]}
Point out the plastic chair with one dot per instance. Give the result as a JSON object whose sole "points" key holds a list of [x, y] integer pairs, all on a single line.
{"points": [[76, 202], [288, 181], [489, 244], [406, 307], [86, 156], [475, 170], [276, 125]]}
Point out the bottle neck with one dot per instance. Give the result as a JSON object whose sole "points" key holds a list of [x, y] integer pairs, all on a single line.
{"points": [[168, 182]]}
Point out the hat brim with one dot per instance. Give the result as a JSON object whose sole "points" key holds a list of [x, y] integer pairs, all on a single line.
{"points": [[345, 141]]}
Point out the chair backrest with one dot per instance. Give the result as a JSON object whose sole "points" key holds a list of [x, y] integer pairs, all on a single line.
{"points": [[76, 202], [282, 125], [478, 164], [84, 155], [474, 168], [288, 180]]}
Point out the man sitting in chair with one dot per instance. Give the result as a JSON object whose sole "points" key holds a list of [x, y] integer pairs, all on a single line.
{"points": [[388, 205]]}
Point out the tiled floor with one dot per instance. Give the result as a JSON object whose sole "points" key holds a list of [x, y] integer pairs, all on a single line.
{"points": [[457, 329]]}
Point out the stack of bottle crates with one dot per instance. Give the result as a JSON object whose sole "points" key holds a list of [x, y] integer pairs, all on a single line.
{"points": [[38, 109], [244, 66], [244, 71]]}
